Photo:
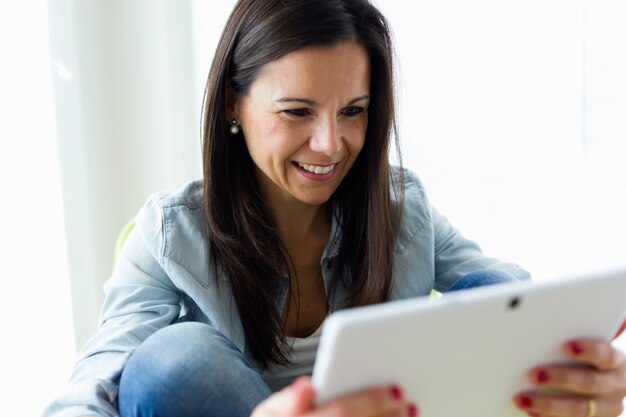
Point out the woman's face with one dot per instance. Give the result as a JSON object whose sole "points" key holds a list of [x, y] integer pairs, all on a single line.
{"points": [[304, 121]]}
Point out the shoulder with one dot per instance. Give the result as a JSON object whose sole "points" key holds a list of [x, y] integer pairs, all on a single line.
{"points": [[165, 208], [407, 181], [189, 196], [408, 191], [173, 227]]}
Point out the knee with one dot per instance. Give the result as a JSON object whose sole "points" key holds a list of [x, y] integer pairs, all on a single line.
{"points": [[172, 349], [176, 362], [482, 278]]}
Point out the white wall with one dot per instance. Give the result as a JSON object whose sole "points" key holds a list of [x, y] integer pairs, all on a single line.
{"points": [[128, 125], [37, 349], [605, 130], [505, 111]]}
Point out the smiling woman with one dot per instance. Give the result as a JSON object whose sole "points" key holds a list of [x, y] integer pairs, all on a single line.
{"points": [[220, 290], [301, 155], [312, 86]]}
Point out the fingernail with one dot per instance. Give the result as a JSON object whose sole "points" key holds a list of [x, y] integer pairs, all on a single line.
{"points": [[411, 410], [542, 376], [524, 402], [533, 414], [576, 348], [396, 392]]}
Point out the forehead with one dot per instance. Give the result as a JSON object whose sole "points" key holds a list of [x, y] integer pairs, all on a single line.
{"points": [[317, 71]]}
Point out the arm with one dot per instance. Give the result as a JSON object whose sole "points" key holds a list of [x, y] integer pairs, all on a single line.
{"points": [[457, 256], [140, 299]]}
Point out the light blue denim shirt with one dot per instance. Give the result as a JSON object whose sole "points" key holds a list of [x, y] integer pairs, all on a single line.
{"points": [[164, 272]]}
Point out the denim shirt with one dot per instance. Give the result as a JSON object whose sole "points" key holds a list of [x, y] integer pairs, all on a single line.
{"points": [[164, 273]]}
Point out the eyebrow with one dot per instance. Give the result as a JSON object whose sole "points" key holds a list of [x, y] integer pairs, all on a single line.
{"points": [[313, 103]]}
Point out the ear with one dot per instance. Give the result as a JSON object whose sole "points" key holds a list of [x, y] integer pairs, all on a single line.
{"points": [[232, 100]]}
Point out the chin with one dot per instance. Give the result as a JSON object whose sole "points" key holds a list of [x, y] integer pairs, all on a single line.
{"points": [[316, 200]]}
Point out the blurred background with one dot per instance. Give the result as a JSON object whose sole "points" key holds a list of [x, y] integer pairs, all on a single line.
{"points": [[512, 113]]}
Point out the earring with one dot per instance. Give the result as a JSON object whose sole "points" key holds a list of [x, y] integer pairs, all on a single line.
{"points": [[234, 129]]}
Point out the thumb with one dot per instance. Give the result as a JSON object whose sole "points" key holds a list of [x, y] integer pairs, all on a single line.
{"points": [[293, 400], [302, 395]]}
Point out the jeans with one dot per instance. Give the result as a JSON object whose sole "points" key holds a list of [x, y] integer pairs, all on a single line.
{"points": [[191, 370], [482, 278]]}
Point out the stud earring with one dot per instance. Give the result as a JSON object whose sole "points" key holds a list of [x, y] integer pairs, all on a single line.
{"points": [[234, 129]]}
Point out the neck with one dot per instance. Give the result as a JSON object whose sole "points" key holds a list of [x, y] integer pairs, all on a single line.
{"points": [[297, 222]]}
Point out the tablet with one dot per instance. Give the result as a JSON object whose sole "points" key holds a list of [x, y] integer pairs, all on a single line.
{"points": [[469, 352]]}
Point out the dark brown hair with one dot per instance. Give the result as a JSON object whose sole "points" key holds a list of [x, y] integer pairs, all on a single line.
{"points": [[243, 239]]}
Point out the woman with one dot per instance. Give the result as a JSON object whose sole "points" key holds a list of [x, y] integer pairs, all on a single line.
{"points": [[222, 287]]}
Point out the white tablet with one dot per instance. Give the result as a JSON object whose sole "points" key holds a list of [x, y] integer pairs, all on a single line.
{"points": [[469, 352]]}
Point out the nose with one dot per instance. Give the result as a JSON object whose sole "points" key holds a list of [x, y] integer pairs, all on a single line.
{"points": [[327, 138]]}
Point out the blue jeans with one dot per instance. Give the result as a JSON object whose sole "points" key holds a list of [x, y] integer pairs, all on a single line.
{"points": [[482, 278], [190, 370]]}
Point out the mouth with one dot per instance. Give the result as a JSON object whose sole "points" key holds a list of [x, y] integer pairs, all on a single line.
{"points": [[316, 169]]}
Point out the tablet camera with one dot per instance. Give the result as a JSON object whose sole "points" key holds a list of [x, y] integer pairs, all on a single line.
{"points": [[515, 302]]}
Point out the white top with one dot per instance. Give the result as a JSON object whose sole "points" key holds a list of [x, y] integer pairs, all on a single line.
{"points": [[302, 356]]}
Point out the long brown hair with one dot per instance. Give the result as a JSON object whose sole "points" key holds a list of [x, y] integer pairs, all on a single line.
{"points": [[243, 241]]}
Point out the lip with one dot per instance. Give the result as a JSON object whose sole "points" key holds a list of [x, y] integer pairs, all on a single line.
{"points": [[315, 177]]}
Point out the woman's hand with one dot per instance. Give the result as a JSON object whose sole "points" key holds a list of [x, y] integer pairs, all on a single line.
{"points": [[298, 400], [596, 386]]}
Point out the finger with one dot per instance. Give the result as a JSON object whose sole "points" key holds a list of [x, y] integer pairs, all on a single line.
{"points": [[387, 401], [568, 406], [580, 379], [302, 395], [292, 400], [598, 353]]}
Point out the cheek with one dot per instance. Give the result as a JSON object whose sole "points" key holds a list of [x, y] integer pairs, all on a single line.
{"points": [[356, 138], [259, 136], [272, 144]]}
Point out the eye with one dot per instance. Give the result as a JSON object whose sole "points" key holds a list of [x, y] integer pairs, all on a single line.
{"points": [[298, 112], [352, 111]]}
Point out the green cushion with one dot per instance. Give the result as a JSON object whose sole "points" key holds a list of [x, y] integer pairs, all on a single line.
{"points": [[121, 238]]}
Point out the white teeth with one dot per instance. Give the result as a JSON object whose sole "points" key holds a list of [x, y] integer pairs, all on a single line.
{"points": [[317, 169]]}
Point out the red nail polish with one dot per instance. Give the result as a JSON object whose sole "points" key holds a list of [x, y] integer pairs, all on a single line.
{"points": [[412, 410], [543, 376], [396, 392], [524, 402], [576, 348]]}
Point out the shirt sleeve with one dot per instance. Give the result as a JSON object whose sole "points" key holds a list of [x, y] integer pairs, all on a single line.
{"points": [[457, 256], [140, 299]]}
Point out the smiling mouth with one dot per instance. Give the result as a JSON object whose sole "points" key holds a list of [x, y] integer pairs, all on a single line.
{"points": [[316, 169]]}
